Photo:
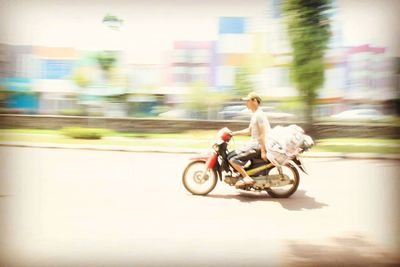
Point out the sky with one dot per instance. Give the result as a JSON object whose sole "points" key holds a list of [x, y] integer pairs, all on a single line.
{"points": [[151, 26], [371, 22]]}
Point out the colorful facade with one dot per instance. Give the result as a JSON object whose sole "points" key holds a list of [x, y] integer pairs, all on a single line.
{"points": [[44, 79], [192, 62], [16, 79]]}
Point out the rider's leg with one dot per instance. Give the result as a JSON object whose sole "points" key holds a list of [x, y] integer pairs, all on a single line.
{"points": [[239, 160], [238, 168]]}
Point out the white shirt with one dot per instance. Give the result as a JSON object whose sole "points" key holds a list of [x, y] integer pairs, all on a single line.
{"points": [[258, 118]]}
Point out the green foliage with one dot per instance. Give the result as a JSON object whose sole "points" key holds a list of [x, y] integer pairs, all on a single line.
{"points": [[294, 105], [112, 21], [117, 98], [72, 112], [309, 33], [106, 60], [243, 84], [80, 77], [198, 96], [85, 133], [202, 101]]}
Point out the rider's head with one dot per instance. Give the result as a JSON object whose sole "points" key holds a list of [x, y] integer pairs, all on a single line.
{"points": [[253, 100]]}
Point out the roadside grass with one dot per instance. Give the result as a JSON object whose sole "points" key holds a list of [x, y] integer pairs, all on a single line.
{"points": [[195, 140], [188, 134], [30, 131]]}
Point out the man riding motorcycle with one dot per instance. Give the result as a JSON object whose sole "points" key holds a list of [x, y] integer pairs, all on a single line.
{"points": [[258, 127]]}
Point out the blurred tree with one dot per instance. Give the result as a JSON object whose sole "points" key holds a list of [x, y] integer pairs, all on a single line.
{"points": [[81, 78], [204, 102], [106, 60], [117, 78], [195, 99], [114, 77], [243, 85], [112, 21], [309, 33]]}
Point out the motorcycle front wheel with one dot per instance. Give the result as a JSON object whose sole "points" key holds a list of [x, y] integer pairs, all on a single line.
{"points": [[197, 180], [288, 190]]}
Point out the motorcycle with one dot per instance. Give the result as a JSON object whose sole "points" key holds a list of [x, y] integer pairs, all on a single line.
{"points": [[278, 176]]}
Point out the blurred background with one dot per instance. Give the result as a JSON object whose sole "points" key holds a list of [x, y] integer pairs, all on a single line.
{"points": [[96, 77], [184, 59]]}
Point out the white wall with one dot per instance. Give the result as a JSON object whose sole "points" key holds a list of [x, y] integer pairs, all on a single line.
{"points": [[375, 22]]}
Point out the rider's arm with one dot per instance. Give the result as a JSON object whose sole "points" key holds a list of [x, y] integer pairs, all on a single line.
{"points": [[242, 132], [261, 139], [262, 124]]}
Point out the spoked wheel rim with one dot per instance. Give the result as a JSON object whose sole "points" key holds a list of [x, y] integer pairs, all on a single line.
{"points": [[198, 182], [287, 190]]}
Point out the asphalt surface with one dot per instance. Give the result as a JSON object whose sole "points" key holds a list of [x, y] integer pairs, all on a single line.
{"points": [[172, 149], [77, 207]]}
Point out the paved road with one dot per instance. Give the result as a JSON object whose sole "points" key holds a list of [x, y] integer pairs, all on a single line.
{"points": [[98, 208]]}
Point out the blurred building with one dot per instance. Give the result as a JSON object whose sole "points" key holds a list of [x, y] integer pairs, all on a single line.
{"points": [[57, 80], [16, 79], [105, 84], [370, 74], [53, 69], [145, 80], [232, 31], [66, 80], [192, 62], [353, 75]]}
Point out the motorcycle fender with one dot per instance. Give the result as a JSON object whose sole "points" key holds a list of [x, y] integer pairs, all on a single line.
{"points": [[209, 159], [300, 164], [200, 158], [211, 162]]}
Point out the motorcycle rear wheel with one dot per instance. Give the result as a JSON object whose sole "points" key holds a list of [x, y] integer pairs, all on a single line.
{"points": [[194, 182], [285, 191]]}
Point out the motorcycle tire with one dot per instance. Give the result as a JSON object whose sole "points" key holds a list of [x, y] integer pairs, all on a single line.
{"points": [[296, 181], [188, 178]]}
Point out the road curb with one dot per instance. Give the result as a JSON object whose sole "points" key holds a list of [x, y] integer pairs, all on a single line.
{"points": [[104, 148], [342, 155], [187, 151]]}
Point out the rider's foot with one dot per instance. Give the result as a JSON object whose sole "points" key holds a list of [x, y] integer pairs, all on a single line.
{"points": [[244, 182]]}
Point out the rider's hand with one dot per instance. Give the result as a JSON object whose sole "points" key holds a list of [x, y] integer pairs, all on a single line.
{"points": [[264, 155]]}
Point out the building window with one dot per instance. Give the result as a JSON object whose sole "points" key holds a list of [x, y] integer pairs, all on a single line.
{"points": [[56, 69], [231, 25], [200, 56], [180, 74], [199, 74], [180, 56]]}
